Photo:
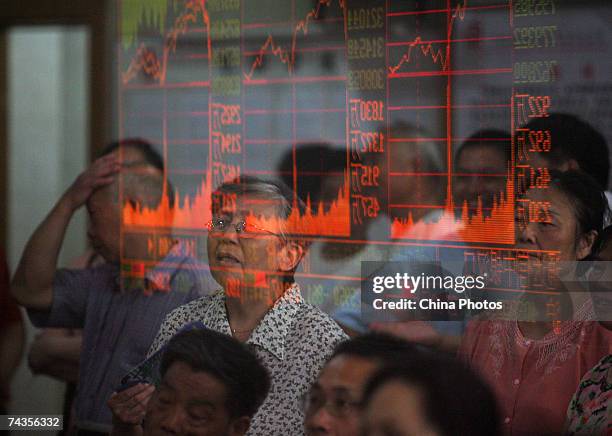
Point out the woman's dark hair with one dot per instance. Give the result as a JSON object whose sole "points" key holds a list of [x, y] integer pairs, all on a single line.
{"points": [[246, 380], [383, 347], [574, 138], [494, 139], [455, 400], [589, 202], [603, 239]]}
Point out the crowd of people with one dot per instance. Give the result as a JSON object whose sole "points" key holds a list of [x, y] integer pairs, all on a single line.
{"points": [[230, 346]]}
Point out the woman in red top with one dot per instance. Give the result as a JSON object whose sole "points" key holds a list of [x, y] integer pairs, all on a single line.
{"points": [[535, 366]]}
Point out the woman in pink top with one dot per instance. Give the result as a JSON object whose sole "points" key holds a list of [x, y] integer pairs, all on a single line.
{"points": [[536, 366]]}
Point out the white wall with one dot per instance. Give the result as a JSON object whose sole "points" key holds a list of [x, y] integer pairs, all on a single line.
{"points": [[48, 143]]}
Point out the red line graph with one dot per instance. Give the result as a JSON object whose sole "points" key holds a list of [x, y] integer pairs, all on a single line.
{"points": [[146, 60], [287, 57], [437, 56], [194, 213], [498, 228]]}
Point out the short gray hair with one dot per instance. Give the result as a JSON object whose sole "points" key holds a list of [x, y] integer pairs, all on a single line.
{"points": [[274, 190]]}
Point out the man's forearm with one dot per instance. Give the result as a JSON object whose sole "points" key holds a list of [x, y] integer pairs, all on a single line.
{"points": [[56, 355], [32, 282], [11, 349]]}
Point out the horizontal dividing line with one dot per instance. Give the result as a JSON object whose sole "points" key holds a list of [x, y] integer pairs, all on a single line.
{"points": [[450, 73], [480, 175], [523, 291], [413, 173], [444, 174], [392, 139], [415, 244], [187, 172], [423, 206], [289, 111], [415, 139], [267, 141], [188, 114], [153, 34], [290, 80], [482, 139], [445, 10], [444, 41], [477, 8], [475, 106], [144, 115], [400, 108], [457, 106], [261, 173], [292, 140], [258, 25], [184, 231], [417, 206], [191, 56], [301, 173], [429, 11], [167, 114], [167, 86], [328, 276], [301, 50], [187, 141]]}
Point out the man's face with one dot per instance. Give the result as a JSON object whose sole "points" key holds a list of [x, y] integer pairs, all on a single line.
{"points": [[105, 213], [104, 224], [331, 407], [246, 257], [191, 403], [397, 409], [483, 173]]}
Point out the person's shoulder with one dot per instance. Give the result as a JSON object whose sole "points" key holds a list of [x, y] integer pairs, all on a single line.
{"points": [[197, 307], [100, 276], [313, 322], [313, 337]]}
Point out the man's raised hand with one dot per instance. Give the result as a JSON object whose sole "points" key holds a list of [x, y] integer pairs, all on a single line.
{"points": [[101, 173]]}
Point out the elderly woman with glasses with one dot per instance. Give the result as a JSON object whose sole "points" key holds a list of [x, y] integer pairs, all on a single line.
{"points": [[534, 364], [253, 256]]}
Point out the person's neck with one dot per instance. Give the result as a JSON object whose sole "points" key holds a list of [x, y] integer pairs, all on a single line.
{"points": [[246, 312], [568, 305], [535, 330]]}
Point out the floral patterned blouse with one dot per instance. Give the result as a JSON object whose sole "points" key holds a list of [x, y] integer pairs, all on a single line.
{"points": [[590, 411]]}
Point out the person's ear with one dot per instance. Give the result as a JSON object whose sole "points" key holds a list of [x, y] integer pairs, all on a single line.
{"points": [[585, 244], [239, 426], [290, 255]]}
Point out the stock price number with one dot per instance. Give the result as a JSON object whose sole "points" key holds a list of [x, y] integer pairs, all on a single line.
{"points": [[532, 178], [367, 80], [526, 8], [535, 71], [534, 141], [364, 19], [535, 37], [366, 48]]}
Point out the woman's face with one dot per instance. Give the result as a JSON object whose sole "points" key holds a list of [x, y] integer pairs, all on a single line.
{"points": [[549, 224]]}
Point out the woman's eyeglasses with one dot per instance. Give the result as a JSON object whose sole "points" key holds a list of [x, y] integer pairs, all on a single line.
{"points": [[242, 227]]}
